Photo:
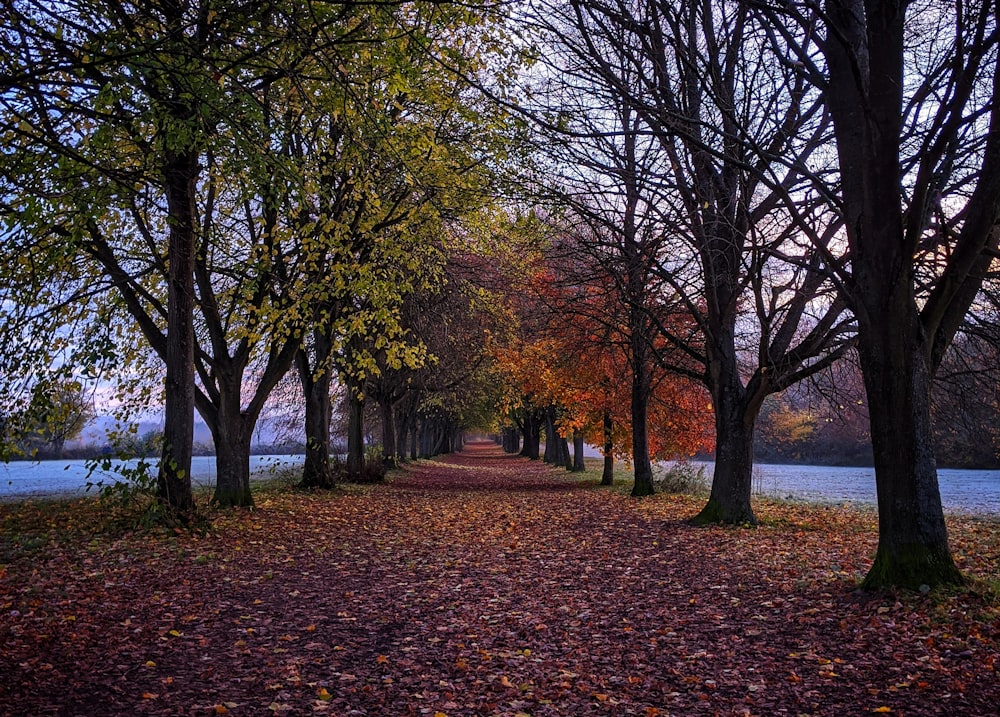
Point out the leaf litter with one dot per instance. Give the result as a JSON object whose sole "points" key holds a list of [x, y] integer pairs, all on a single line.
{"points": [[485, 584]]}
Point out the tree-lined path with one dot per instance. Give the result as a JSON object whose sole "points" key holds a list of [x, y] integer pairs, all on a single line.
{"points": [[482, 584]]}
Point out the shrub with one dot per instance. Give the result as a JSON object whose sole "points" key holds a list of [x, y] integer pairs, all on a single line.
{"points": [[681, 477]]}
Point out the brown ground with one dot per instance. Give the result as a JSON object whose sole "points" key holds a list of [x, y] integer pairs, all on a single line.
{"points": [[483, 584]]}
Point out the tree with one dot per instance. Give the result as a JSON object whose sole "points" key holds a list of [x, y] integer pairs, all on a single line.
{"points": [[571, 367], [401, 152], [714, 140], [910, 88], [113, 112], [58, 412]]}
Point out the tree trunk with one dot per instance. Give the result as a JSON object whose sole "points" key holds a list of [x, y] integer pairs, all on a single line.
{"points": [[729, 501], [316, 471], [578, 463], [424, 438], [403, 418], [526, 431], [866, 106], [355, 434], [532, 437], [388, 433], [608, 476], [232, 464], [515, 440], [564, 458], [643, 484], [231, 434], [913, 545], [551, 439], [173, 484]]}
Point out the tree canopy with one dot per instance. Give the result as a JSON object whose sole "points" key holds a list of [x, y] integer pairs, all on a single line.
{"points": [[638, 223]]}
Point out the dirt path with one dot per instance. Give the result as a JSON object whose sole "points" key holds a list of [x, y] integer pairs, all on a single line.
{"points": [[483, 584]]}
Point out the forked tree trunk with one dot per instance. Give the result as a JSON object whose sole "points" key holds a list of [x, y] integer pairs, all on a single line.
{"points": [[866, 105]]}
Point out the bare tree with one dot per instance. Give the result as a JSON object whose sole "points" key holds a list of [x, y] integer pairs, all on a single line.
{"points": [[730, 137], [910, 88]]}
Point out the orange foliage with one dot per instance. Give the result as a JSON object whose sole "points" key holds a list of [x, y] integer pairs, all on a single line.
{"points": [[577, 360]]}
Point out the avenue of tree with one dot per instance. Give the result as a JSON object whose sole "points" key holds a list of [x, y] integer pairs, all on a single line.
{"points": [[640, 224]]}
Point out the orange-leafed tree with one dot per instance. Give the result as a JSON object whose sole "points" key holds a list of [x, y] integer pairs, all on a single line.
{"points": [[574, 366]]}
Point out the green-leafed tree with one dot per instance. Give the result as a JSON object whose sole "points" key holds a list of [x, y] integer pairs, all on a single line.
{"points": [[109, 111]]}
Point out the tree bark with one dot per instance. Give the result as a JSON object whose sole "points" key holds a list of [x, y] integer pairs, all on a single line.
{"points": [[173, 485], [578, 463], [865, 55], [913, 545], [549, 455], [232, 462], [608, 476], [564, 460], [355, 434], [388, 433], [729, 500], [403, 419], [643, 470], [532, 436], [316, 470]]}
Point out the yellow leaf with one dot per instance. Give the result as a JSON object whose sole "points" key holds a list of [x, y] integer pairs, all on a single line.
{"points": [[150, 663], [174, 633], [324, 695], [883, 709]]}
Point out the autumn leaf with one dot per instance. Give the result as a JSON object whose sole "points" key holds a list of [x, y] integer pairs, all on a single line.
{"points": [[469, 600]]}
